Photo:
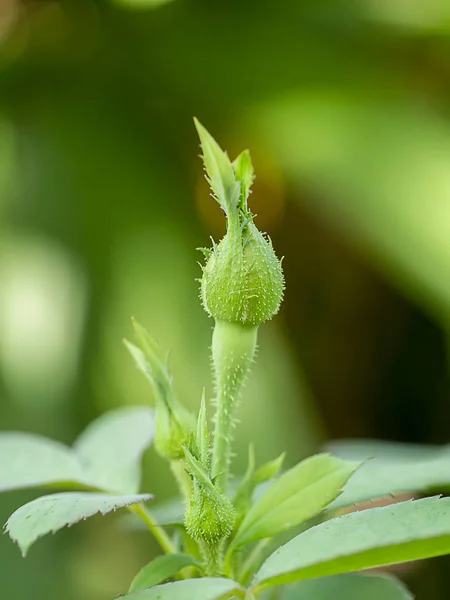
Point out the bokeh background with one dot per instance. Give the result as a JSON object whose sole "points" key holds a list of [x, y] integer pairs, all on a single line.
{"points": [[345, 105]]}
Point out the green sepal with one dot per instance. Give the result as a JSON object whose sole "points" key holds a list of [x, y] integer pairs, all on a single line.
{"points": [[219, 171], [197, 471], [202, 433], [243, 170]]}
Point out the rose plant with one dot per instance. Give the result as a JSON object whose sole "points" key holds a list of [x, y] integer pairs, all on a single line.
{"points": [[270, 534]]}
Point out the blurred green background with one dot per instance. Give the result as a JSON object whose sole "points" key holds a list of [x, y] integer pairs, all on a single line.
{"points": [[345, 105]]}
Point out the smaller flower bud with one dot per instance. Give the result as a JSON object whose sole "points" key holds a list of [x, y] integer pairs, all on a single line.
{"points": [[210, 514], [209, 517]]}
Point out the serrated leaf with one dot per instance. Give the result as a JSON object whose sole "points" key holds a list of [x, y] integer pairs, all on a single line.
{"points": [[296, 496], [384, 477], [200, 589], [362, 540], [348, 587], [220, 173], [363, 449], [105, 457], [253, 480], [28, 460], [160, 569], [51, 513], [111, 447]]}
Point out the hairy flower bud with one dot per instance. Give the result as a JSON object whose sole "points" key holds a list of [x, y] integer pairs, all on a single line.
{"points": [[210, 516], [242, 280]]}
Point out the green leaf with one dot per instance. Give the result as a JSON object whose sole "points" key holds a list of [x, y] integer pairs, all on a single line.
{"points": [[296, 496], [362, 540], [105, 457], [220, 173], [363, 449], [252, 480], [348, 587], [160, 569], [200, 589], [28, 460], [384, 477], [51, 513], [110, 448]]}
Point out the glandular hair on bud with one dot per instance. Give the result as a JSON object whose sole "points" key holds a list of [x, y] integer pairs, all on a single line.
{"points": [[209, 516], [242, 280]]}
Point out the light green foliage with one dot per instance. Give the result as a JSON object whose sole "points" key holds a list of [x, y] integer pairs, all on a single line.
{"points": [[28, 460], [200, 589], [105, 457], [252, 479], [110, 455], [385, 476], [348, 587], [173, 421], [50, 513], [362, 540], [160, 569], [299, 494]]}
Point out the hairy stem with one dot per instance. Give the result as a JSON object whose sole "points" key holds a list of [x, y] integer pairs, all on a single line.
{"points": [[212, 558], [233, 349]]}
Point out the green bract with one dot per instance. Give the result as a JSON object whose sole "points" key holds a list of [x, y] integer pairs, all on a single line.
{"points": [[224, 539]]}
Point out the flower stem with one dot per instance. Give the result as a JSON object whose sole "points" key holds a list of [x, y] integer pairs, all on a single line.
{"points": [[233, 349], [159, 533]]}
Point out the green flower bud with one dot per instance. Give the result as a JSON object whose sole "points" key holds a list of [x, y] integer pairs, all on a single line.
{"points": [[209, 517], [242, 280], [173, 421], [210, 514]]}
